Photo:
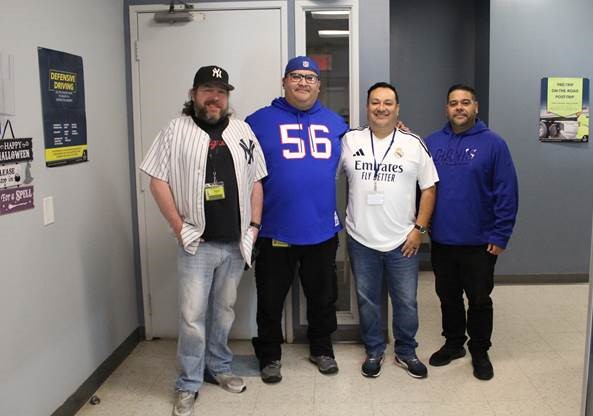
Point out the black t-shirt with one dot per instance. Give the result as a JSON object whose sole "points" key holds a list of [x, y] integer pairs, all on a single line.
{"points": [[222, 216]]}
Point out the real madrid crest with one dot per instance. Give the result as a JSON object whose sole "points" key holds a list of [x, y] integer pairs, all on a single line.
{"points": [[399, 152]]}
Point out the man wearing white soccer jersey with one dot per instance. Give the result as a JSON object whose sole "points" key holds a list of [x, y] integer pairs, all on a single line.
{"points": [[384, 165], [205, 170]]}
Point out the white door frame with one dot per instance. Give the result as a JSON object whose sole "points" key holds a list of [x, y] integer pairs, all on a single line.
{"points": [[141, 180]]}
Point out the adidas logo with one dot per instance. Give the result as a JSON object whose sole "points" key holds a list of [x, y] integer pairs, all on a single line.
{"points": [[359, 152]]}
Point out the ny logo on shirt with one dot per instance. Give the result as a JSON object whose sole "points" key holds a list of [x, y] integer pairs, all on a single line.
{"points": [[248, 149]]}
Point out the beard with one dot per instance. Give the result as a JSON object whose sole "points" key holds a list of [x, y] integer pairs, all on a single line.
{"points": [[201, 112]]}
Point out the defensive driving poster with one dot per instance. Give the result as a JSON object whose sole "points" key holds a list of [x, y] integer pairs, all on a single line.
{"points": [[62, 99]]}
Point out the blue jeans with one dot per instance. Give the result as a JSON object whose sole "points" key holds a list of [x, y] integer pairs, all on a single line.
{"points": [[208, 284], [371, 268]]}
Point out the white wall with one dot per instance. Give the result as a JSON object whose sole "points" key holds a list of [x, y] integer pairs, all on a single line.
{"points": [[67, 291]]}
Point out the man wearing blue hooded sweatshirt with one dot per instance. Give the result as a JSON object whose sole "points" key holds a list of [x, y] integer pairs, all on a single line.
{"points": [[474, 215], [300, 140]]}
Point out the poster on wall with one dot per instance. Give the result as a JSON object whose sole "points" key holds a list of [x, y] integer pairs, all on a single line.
{"points": [[62, 98], [16, 154], [564, 110]]}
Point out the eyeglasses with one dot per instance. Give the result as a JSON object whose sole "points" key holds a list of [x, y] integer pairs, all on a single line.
{"points": [[296, 77]]}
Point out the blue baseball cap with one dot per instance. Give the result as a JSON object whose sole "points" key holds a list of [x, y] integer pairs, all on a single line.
{"points": [[301, 62]]}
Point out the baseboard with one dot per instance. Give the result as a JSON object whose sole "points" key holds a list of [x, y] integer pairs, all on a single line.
{"points": [[86, 390], [552, 279]]}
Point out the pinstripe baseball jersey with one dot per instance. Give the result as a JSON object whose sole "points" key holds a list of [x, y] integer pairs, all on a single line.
{"points": [[178, 156]]}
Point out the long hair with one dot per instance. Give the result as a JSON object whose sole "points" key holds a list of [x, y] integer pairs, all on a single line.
{"points": [[188, 106]]}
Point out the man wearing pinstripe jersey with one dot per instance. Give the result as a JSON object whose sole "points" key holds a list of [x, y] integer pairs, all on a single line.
{"points": [[205, 170]]}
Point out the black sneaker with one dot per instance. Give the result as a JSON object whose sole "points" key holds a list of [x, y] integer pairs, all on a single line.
{"points": [[325, 363], [412, 365], [372, 366], [445, 355], [482, 366]]}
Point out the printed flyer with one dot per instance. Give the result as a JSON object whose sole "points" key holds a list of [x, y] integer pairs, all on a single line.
{"points": [[62, 98], [564, 110]]}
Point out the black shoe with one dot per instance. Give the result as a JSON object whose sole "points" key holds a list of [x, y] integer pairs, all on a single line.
{"points": [[412, 365], [372, 366], [445, 355], [482, 366]]}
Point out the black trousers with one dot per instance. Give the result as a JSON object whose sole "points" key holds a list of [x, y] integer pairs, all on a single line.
{"points": [[274, 273], [468, 269]]}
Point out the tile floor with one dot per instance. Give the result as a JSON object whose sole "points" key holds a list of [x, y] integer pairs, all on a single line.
{"points": [[538, 354]]}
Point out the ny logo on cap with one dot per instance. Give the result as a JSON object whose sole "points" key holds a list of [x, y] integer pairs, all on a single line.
{"points": [[306, 64], [217, 72]]}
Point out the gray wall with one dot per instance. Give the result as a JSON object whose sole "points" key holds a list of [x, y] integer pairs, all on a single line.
{"points": [[437, 43], [67, 291], [433, 45], [374, 47], [530, 40]]}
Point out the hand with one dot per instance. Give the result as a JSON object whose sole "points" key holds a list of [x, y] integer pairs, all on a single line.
{"points": [[401, 126], [494, 249], [412, 244], [254, 232], [177, 231]]}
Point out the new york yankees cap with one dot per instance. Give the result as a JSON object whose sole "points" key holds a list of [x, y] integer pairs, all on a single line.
{"points": [[301, 62], [212, 74]]}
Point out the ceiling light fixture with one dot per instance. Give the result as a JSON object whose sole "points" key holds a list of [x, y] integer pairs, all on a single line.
{"points": [[330, 14], [333, 33]]}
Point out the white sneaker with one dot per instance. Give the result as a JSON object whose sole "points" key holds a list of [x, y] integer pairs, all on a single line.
{"points": [[227, 381], [184, 404]]}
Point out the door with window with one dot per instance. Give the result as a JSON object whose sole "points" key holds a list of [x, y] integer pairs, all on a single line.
{"points": [[327, 32]]}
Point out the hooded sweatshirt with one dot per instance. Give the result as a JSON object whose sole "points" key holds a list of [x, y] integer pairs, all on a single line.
{"points": [[477, 196], [302, 151]]}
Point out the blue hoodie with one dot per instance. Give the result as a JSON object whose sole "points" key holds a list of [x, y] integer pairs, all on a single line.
{"points": [[302, 151], [477, 196]]}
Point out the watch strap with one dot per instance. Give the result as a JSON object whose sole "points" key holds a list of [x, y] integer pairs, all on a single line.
{"points": [[421, 229]]}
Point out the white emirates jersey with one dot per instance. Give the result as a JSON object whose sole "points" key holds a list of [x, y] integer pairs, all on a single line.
{"points": [[381, 216]]}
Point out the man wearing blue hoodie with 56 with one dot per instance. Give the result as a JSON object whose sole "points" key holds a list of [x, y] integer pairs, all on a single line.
{"points": [[474, 215], [300, 139]]}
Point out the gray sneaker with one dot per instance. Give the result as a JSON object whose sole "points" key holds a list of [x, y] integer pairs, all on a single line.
{"points": [[227, 381], [325, 363], [271, 372], [184, 403]]}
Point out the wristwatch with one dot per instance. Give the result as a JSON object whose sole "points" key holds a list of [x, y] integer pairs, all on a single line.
{"points": [[421, 229], [255, 225]]}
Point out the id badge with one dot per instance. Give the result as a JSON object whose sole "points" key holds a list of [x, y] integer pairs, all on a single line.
{"points": [[375, 198], [214, 191], [278, 243]]}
